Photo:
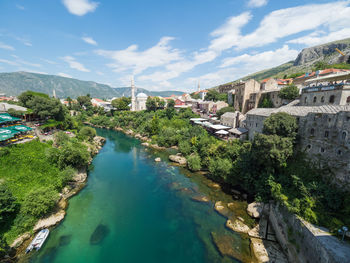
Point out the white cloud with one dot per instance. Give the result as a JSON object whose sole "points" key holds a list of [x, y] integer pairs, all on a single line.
{"points": [[20, 7], [89, 40], [61, 74], [80, 7], [262, 60], [229, 34], [132, 59], [8, 62], [48, 61], [257, 3], [319, 37], [23, 62], [5, 46], [75, 64], [99, 73]]}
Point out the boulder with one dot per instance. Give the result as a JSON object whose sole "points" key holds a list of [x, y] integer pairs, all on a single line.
{"points": [[157, 159], [145, 144], [101, 231], [49, 221], [80, 177], [157, 147], [259, 250], [237, 226], [255, 209], [221, 209], [118, 129], [227, 246], [178, 159], [174, 147], [200, 198]]}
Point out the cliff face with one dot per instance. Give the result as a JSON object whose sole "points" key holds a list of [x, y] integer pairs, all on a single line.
{"points": [[324, 52]]}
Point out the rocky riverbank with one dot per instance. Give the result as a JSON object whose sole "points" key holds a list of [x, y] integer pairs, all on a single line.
{"points": [[74, 186]]}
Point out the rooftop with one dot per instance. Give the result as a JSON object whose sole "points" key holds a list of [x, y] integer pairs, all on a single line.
{"points": [[300, 110]]}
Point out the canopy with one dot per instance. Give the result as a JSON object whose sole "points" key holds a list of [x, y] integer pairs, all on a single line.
{"points": [[4, 137], [21, 128], [222, 132], [5, 117], [238, 131], [6, 134]]}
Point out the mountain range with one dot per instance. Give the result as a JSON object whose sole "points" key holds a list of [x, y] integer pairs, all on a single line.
{"points": [[14, 83], [306, 59]]}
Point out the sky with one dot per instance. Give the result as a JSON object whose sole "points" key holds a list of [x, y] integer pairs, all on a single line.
{"points": [[165, 45]]}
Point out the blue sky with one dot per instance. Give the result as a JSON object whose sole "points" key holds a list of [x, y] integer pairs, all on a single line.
{"points": [[166, 45]]}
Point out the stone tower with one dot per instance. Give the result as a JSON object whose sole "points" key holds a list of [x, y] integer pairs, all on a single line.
{"points": [[133, 99]]}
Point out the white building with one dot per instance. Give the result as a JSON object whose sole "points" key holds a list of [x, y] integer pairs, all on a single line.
{"points": [[138, 103]]}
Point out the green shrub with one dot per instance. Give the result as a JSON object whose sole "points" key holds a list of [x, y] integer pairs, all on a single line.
{"points": [[194, 162], [39, 202], [8, 204], [87, 132]]}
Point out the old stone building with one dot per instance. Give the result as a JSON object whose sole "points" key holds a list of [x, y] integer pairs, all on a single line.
{"points": [[231, 119], [243, 90], [324, 133]]}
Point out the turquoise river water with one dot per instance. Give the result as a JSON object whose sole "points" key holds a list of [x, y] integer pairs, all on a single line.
{"points": [[136, 210]]}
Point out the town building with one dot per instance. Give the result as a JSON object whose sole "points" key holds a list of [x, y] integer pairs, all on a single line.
{"points": [[324, 133], [232, 119], [332, 89], [138, 103], [243, 90]]}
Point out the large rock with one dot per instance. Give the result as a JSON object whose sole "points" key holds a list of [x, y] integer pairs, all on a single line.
{"points": [[227, 246], [200, 198], [157, 159], [49, 221], [178, 159], [267, 251], [237, 226], [145, 144], [259, 250], [80, 177], [255, 209], [222, 209]]}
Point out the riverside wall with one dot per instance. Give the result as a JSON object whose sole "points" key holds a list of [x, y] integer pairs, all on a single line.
{"points": [[304, 242]]}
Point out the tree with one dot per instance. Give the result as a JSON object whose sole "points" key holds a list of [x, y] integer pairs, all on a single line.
{"points": [[220, 168], [39, 202], [69, 100], [151, 104], [8, 204], [214, 95], [87, 132], [320, 65], [290, 92], [29, 95], [171, 104], [265, 102], [84, 101], [281, 124], [194, 162], [47, 107], [121, 103]]}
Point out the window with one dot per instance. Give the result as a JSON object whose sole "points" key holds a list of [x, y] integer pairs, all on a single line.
{"points": [[256, 124], [348, 100], [339, 152], [315, 99], [331, 99], [326, 134], [312, 131], [308, 148], [305, 100], [322, 99], [343, 135], [322, 150]]}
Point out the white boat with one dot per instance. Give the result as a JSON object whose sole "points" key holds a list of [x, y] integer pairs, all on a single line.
{"points": [[38, 240]]}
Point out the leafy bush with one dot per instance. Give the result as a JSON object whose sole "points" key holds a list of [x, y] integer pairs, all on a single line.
{"points": [[290, 92], [39, 202], [87, 132], [194, 162], [8, 204]]}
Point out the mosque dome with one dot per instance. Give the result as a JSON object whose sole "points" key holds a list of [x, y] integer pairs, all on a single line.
{"points": [[142, 95]]}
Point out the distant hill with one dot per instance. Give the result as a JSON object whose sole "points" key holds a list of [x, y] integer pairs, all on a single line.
{"points": [[306, 59], [127, 92], [14, 83]]}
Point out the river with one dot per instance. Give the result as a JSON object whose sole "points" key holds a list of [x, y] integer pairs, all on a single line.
{"points": [[136, 210]]}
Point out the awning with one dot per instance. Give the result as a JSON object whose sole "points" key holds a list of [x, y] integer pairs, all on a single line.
{"points": [[222, 132], [6, 134], [5, 117], [21, 128], [220, 127]]}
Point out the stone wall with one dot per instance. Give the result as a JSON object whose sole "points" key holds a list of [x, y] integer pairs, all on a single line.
{"points": [[304, 242], [338, 96]]}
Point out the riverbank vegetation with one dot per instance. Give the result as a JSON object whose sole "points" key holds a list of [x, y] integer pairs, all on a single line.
{"points": [[33, 174], [270, 167]]}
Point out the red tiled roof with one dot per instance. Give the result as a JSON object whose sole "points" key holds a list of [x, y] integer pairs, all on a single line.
{"points": [[98, 100]]}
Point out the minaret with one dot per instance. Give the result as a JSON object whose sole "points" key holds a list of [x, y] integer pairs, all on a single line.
{"points": [[199, 86], [54, 94], [133, 101]]}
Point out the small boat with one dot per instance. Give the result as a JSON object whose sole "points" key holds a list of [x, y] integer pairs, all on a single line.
{"points": [[38, 241]]}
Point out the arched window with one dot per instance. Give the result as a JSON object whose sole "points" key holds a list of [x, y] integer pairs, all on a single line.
{"points": [[348, 100], [343, 135], [322, 150], [331, 99], [308, 147], [305, 100], [312, 131], [326, 134], [339, 152], [322, 99], [315, 99]]}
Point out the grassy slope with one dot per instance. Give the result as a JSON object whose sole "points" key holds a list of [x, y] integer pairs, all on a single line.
{"points": [[24, 169]]}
